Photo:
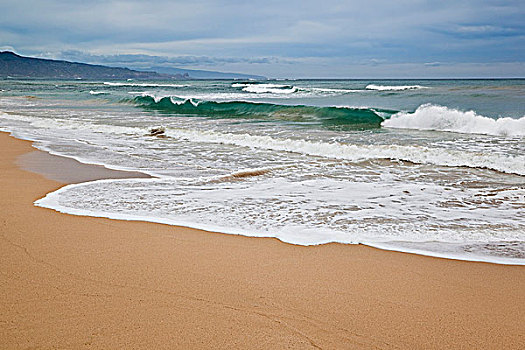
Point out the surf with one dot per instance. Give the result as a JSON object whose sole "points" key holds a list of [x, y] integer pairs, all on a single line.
{"points": [[393, 87], [327, 116], [441, 118]]}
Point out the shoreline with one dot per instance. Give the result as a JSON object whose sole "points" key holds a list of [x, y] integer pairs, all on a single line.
{"points": [[144, 285], [49, 201], [72, 171]]}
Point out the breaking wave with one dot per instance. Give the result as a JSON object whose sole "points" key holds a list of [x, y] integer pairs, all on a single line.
{"points": [[394, 87], [266, 88], [440, 118], [327, 116], [259, 88]]}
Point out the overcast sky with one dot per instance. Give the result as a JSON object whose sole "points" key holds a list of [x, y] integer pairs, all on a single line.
{"points": [[308, 38]]}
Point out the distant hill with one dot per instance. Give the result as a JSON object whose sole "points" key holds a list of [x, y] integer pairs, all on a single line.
{"points": [[16, 66]]}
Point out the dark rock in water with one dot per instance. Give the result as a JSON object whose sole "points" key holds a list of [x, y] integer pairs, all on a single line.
{"points": [[159, 132]]}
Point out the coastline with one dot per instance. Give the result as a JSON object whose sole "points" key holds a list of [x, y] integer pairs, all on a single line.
{"points": [[73, 282]]}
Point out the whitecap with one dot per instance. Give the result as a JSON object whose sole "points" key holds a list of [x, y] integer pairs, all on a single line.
{"points": [[267, 88], [394, 87], [440, 118]]}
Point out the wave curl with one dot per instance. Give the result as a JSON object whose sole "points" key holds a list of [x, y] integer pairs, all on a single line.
{"points": [[327, 116]]}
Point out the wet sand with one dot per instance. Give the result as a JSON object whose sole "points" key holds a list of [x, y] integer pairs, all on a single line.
{"points": [[67, 170], [80, 282]]}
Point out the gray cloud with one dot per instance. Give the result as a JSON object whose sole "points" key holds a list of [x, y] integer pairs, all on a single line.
{"points": [[265, 37], [144, 61]]}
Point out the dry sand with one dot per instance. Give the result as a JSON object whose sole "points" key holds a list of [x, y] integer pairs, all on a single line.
{"points": [[80, 282]]}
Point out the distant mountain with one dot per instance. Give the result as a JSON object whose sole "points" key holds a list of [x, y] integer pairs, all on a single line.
{"points": [[16, 66], [205, 74]]}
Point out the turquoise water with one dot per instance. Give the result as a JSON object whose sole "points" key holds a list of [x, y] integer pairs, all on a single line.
{"points": [[435, 167]]}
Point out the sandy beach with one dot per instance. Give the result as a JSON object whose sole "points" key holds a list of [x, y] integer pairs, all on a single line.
{"points": [[71, 282]]}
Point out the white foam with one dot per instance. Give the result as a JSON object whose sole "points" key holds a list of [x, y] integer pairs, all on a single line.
{"points": [[351, 152], [70, 124], [267, 88], [158, 97], [287, 89], [250, 92], [310, 212], [415, 154], [215, 96], [47, 133], [432, 117], [98, 92], [394, 87]]}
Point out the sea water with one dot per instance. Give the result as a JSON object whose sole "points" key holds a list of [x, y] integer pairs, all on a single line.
{"points": [[435, 167]]}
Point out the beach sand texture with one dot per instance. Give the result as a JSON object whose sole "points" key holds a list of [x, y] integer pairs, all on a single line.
{"points": [[80, 282]]}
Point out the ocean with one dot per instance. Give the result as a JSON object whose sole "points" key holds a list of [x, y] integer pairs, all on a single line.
{"points": [[433, 167]]}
